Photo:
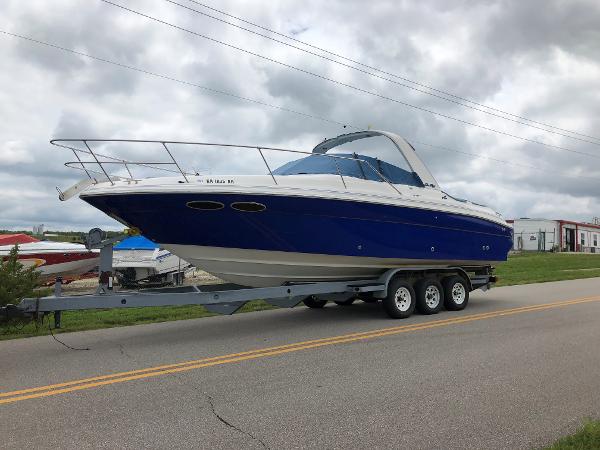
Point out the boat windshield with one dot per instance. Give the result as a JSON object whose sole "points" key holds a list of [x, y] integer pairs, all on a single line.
{"points": [[349, 165]]}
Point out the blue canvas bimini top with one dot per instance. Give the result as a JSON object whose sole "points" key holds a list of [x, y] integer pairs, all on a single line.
{"points": [[351, 167], [136, 243]]}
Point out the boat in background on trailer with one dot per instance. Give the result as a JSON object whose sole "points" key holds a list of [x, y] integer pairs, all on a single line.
{"points": [[51, 259], [139, 262]]}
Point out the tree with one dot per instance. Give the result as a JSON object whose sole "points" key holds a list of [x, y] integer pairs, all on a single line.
{"points": [[16, 281]]}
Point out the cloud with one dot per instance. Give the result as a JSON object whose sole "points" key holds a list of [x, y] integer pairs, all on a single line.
{"points": [[14, 152], [518, 29], [536, 59]]}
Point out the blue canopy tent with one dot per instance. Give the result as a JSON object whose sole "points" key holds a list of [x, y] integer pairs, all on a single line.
{"points": [[136, 243]]}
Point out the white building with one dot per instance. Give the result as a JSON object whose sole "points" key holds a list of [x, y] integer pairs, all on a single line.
{"points": [[558, 235], [38, 230]]}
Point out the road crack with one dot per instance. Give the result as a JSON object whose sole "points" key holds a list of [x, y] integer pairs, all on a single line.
{"points": [[229, 424], [123, 352]]}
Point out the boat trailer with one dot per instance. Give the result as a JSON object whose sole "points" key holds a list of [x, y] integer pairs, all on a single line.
{"points": [[224, 298]]}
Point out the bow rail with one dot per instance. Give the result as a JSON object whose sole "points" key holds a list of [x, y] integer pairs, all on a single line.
{"points": [[99, 161]]}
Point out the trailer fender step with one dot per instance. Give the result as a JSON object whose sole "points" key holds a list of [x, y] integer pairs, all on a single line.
{"points": [[225, 308], [285, 302]]}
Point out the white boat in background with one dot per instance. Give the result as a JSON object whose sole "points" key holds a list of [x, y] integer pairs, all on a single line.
{"points": [[51, 259], [137, 261]]}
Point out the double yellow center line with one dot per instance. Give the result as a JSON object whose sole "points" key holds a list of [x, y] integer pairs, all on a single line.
{"points": [[103, 380]]}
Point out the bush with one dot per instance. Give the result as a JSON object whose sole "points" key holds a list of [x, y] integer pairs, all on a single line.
{"points": [[587, 437], [16, 281]]}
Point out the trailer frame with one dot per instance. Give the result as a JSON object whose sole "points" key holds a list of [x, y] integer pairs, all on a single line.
{"points": [[226, 298]]}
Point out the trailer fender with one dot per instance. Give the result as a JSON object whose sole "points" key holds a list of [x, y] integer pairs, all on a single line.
{"points": [[388, 275]]}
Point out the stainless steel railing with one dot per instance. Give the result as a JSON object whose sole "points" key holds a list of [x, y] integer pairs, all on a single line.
{"points": [[101, 160]]}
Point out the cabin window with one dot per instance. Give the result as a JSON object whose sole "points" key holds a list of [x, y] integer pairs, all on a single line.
{"points": [[582, 239], [350, 165], [248, 206], [205, 205]]}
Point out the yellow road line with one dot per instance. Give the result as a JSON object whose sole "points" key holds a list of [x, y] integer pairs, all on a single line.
{"points": [[88, 383], [266, 349]]}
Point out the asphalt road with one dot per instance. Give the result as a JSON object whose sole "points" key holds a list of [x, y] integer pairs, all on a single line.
{"points": [[516, 369]]}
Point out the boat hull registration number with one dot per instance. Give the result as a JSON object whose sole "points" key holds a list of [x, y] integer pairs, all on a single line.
{"points": [[216, 181]]}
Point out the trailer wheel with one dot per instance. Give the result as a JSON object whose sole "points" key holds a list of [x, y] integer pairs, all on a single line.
{"points": [[314, 302], [399, 302], [430, 296], [346, 302], [457, 293]]}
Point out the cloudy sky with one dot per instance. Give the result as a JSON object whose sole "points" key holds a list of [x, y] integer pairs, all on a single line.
{"points": [[535, 59]]}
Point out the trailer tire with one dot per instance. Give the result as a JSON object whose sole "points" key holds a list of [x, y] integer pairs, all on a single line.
{"points": [[457, 293], [430, 296], [399, 303], [313, 302]]}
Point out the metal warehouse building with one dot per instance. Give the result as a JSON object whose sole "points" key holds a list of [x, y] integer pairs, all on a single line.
{"points": [[556, 235]]}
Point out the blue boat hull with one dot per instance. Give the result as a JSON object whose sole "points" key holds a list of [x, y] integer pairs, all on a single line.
{"points": [[311, 225]]}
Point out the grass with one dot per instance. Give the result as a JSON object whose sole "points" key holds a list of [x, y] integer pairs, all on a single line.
{"points": [[586, 438], [519, 269], [61, 236], [536, 267], [108, 318]]}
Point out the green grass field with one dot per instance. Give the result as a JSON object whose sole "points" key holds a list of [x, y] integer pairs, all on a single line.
{"points": [[519, 269], [540, 267], [108, 318], [586, 438], [61, 236]]}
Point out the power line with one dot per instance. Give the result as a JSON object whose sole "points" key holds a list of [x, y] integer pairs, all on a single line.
{"points": [[388, 73], [502, 161], [228, 94], [166, 77], [350, 86], [456, 102]]}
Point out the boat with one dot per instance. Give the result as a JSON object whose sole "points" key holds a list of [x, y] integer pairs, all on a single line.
{"points": [[51, 259], [322, 216], [139, 261], [16, 238]]}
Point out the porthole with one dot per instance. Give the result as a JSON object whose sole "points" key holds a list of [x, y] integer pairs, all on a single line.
{"points": [[205, 205], [248, 206]]}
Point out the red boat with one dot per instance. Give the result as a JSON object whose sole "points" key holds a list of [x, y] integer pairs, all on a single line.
{"points": [[52, 259]]}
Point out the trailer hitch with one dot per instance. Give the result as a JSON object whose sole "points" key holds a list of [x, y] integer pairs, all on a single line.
{"points": [[13, 312]]}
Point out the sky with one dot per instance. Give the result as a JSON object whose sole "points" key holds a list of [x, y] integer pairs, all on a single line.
{"points": [[538, 59]]}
